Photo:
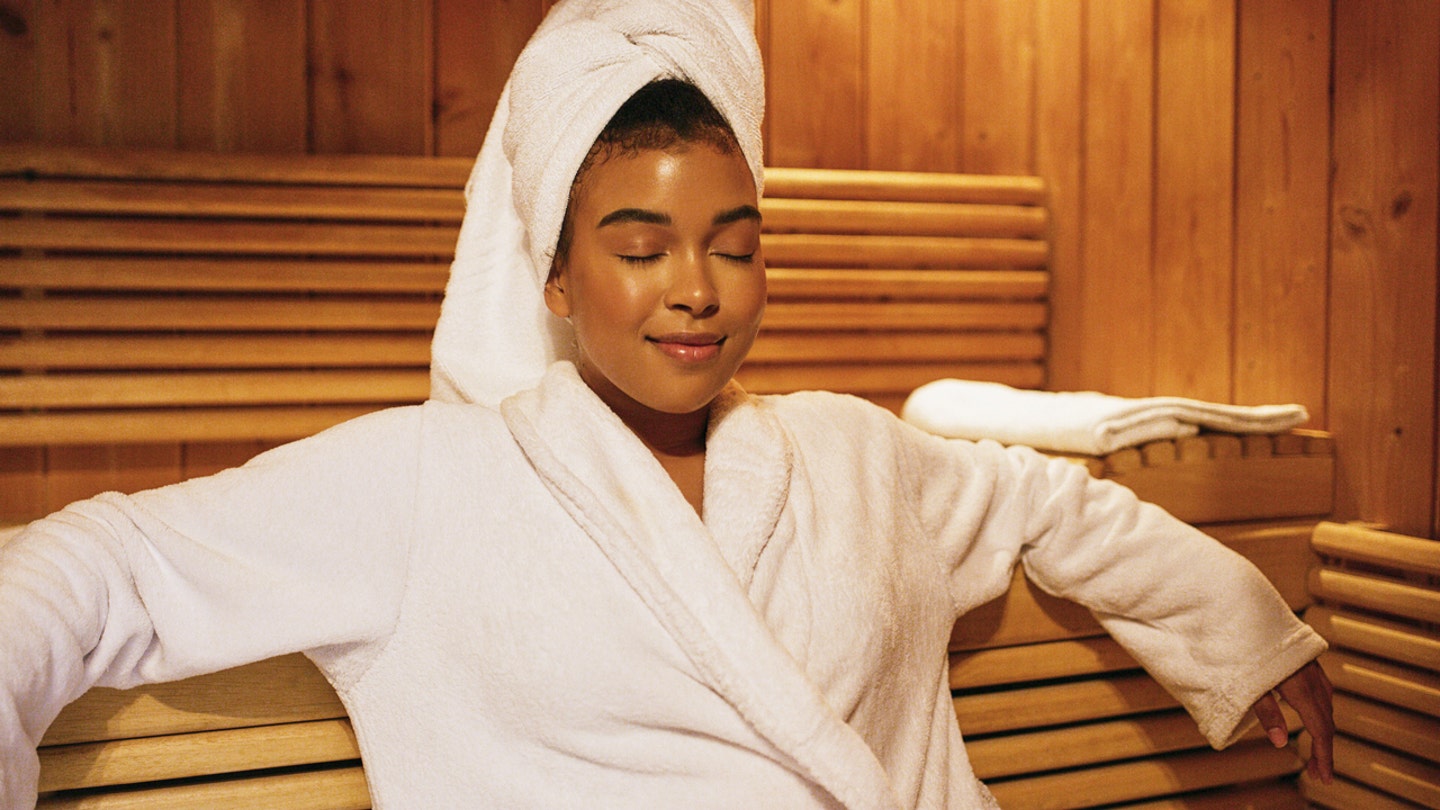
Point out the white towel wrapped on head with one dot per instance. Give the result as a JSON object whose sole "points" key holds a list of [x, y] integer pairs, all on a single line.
{"points": [[1085, 422], [587, 58]]}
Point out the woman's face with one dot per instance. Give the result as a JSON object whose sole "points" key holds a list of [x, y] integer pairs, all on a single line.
{"points": [[664, 281]]}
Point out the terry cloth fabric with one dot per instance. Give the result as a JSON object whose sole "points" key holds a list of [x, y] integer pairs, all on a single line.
{"points": [[1084, 422], [587, 58]]}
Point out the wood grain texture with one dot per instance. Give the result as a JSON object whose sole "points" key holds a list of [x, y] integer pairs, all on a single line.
{"points": [[913, 95], [476, 44], [1383, 279], [815, 84], [1194, 198], [997, 69], [1281, 203]]}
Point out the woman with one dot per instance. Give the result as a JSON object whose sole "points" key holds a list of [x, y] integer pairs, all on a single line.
{"points": [[631, 584]]}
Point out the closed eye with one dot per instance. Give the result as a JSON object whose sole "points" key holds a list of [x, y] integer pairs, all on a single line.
{"points": [[735, 257], [646, 259]]}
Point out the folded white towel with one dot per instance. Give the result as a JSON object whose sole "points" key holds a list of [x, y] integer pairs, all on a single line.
{"points": [[587, 58], [1084, 422]]}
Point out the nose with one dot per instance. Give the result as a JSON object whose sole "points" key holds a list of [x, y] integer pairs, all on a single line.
{"points": [[691, 288]]}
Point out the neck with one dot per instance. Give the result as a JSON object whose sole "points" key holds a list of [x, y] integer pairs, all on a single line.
{"points": [[667, 435]]}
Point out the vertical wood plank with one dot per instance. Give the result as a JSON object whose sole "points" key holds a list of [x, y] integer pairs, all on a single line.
{"points": [[19, 75], [1194, 198], [1282, 202], [998, 71], [242, 76], [371, 76], [1117, 326], [912, 90], [107, 73], [1382, 386], [816, 84], [476, 44], [1059, 32]]}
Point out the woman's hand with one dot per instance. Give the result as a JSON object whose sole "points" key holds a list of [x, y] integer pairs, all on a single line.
{"points": [[1308, 692]]}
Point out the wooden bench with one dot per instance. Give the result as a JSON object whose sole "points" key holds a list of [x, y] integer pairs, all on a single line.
{"points": [[169, 299]]}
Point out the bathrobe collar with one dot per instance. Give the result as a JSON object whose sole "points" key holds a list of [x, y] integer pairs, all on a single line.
{"points": [[693, 576]]}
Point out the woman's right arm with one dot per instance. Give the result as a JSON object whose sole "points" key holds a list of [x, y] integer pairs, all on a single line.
{"points": [[303, 549]]}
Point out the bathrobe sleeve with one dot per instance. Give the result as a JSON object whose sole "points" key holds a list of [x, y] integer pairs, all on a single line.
{"points": [[302, 549], [1199, 617]]}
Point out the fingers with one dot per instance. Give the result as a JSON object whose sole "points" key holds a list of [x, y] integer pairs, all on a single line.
{"points": [[1267, 709], [1310, 693]]}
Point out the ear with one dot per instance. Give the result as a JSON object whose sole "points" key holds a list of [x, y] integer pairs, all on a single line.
{"points": [[556, 299]]}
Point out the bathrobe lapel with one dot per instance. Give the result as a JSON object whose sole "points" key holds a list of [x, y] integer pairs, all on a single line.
{"points": [[622, 498]]}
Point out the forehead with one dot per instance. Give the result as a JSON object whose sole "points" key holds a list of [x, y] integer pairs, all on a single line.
{"points": [[693, 177]]}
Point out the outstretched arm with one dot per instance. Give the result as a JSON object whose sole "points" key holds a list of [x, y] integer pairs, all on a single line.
{"points": [[1309, 693]]}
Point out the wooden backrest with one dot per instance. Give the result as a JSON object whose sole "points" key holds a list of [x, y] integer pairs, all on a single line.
{"points": [[158, 297]]}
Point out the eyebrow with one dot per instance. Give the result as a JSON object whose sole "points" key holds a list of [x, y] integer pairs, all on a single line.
{"points": [[648, 217]]}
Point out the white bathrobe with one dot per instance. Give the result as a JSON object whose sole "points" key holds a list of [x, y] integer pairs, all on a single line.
{"points": [[519, 608]]}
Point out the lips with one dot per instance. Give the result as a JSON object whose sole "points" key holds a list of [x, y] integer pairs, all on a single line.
{"points": [[688, 347]]}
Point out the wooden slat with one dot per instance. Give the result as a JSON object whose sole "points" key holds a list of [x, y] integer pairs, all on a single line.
{"points": [[929, 285], [1146, 778], [224, 237], [214, 275], [215, 313], [1407, 687], [330, 789], [288, 689], [1362, 544], [830, 250], [904, 316], [883, 185], [895, 218], [1409, 732], [1376, 593], [1028, 706], [173, 425], [161, 199], [207, 753], [891, 347], [233, 351], [163, 390], [881, 378], [1034, 662], [1402, 776], [1342, 794], [1398, 642], [325, 169], [1089, 744], [1269, 795], [1228, 489]]}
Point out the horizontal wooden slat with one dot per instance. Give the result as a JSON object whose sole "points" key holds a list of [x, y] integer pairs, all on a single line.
{"points": [[216, 275], [880, 378], [1408, 778], [1036, 662], [1027, 706], [1361, 544], [902, 285], [1409, 732], [1269, 795], [1373, 636], [228, 238], [169, 199], [895, 347], [1146, 778], [330, 789], [1342, 794], [172, 425], [188, 389], [1376, 593], [1090, 744], [219, 314], [1232, 489], [1407, 687], [828, 250], [904, 316], [31, 160], [907, 218], [288, 689], [883, 185], [207, 753], [115, 352]]}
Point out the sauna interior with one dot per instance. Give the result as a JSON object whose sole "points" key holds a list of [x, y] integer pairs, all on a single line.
{"points": [[1240, 207]]}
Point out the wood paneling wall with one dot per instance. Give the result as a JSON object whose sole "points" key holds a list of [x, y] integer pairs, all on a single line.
{"points": [[1244, 191]]}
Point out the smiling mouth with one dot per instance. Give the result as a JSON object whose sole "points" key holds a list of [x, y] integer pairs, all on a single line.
{"points": [[688, 347]]}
